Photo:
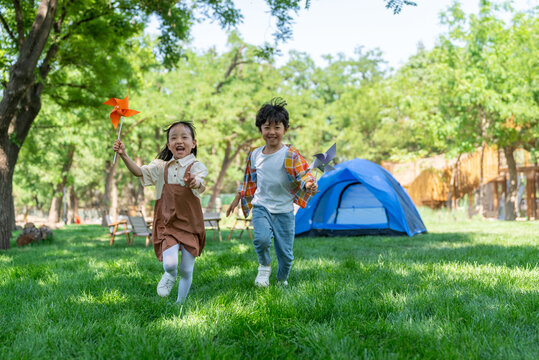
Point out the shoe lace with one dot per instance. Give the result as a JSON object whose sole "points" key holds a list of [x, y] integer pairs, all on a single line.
{"points": [[264, 272], [168, 282]]}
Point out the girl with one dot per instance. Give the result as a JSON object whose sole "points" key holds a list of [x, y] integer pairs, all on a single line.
{"points": [[178, 223]]}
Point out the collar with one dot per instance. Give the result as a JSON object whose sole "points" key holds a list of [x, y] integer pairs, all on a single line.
{"points": [[184, 161], [285, 146]]}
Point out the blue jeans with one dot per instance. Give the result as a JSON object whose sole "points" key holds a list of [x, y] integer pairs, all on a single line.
{"points": [[280, 227]]}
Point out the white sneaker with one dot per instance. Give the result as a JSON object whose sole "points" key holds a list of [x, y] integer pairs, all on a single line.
{"points": [[165, 284], [262, 279], [282, 283]]}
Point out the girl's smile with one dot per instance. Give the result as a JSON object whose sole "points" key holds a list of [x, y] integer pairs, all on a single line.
{"points": [[180, 142]]}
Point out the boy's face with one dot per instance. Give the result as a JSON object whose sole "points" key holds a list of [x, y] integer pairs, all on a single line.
{"points": [[272, 133], [180, 141]]}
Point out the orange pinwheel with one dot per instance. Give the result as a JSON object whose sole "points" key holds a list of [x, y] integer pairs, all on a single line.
{"points": [[120, 109]]}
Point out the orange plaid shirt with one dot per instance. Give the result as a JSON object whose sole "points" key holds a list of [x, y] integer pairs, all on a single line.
{"points": [[298, 174]]}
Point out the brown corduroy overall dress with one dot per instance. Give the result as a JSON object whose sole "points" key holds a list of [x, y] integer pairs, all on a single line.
{"points": [[178, 219]]}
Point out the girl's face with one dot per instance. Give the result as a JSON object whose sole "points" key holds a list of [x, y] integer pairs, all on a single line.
{"points": [[180, 141]]}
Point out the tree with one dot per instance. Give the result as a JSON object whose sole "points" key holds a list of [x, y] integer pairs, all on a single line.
{"points": [[471, 90], [42, 43], [492, 93]]}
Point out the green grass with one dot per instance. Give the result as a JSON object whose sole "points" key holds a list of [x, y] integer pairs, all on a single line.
{"points": [[467, 289]]}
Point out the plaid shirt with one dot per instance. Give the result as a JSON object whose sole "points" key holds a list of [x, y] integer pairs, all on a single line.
{"points": [[298, 174]]}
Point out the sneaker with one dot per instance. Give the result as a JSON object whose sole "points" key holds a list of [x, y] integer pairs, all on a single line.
{"points": [[262, 279], [282, 283], [165, 285]]}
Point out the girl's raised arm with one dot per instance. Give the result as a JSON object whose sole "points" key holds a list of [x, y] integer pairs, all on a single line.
{"points": [[120, 148]]}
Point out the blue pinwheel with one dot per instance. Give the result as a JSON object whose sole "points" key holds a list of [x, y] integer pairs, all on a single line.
{"points": [[321, 161]]}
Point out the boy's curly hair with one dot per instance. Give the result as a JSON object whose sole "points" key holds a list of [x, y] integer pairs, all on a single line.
{"points": [[273, 111]]}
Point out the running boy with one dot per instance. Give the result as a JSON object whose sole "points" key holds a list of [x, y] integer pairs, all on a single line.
{"points": [[276, 177]]}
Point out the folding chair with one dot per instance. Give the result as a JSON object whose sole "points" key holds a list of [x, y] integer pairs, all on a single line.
{"points": [[140, 228], [211, 220], [113, 229], [247, 225]]}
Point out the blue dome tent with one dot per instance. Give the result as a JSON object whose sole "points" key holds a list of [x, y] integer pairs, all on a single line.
{"points": [[359, 198]]}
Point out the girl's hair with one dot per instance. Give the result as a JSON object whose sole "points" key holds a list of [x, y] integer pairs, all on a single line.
{"points": [[166, 154], [273, 111]]}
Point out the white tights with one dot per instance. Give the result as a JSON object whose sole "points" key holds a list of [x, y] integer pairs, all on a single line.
{"points": [[170, 264]]}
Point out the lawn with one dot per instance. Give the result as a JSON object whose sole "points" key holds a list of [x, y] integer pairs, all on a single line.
{"points": [[467, 289]]}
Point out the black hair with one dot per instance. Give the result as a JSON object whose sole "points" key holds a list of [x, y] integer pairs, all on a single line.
{"points": [[166, 154], [273, 111]]}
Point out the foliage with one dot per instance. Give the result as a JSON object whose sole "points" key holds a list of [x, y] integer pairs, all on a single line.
{"points": [[472, 89], [397, 5]]}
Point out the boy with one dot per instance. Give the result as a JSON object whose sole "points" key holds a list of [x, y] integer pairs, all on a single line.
{"points": [[276, 177]]}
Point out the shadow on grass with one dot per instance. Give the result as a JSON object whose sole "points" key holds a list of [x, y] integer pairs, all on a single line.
{"points": [[416, 297], [80, 247], [429, 248], [85, 250], [397, 294]]}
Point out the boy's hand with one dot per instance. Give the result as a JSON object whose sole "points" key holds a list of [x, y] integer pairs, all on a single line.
{"points": [[233, 205], [311, 186], [119, 147]]}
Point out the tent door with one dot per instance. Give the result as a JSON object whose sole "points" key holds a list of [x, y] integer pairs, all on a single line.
{"points": [[358, 206]]}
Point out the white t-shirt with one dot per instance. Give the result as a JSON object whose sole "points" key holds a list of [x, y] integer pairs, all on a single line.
{"points": [[153, 173], [272, 183]]}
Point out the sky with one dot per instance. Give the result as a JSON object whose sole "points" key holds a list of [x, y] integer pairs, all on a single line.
{"points": [[340, 26]]}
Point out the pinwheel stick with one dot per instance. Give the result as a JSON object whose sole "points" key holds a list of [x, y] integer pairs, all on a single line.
{"points": [[119, 132]]}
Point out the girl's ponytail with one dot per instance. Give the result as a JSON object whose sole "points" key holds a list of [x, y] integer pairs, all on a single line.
{"points": [[165, 154]]}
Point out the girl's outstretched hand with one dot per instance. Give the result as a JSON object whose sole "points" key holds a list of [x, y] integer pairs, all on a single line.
{"points": [[191, 181], [119, 147]]}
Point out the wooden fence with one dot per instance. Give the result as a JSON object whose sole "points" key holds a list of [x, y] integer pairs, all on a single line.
{"points": [[485, 166]]}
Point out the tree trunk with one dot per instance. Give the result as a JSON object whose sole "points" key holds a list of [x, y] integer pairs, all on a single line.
{"points": [[8, 158], [54, 211], [11, 141], [73, 205], [452, 188], [20, 104], [157, 138], [110, 184], [57, 200], [136, 190], [481, 192], [227, 161], [511, 198]]}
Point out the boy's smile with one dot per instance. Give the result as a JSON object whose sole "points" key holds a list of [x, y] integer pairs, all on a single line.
{"points": [[272, 133], [180, 142]]}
